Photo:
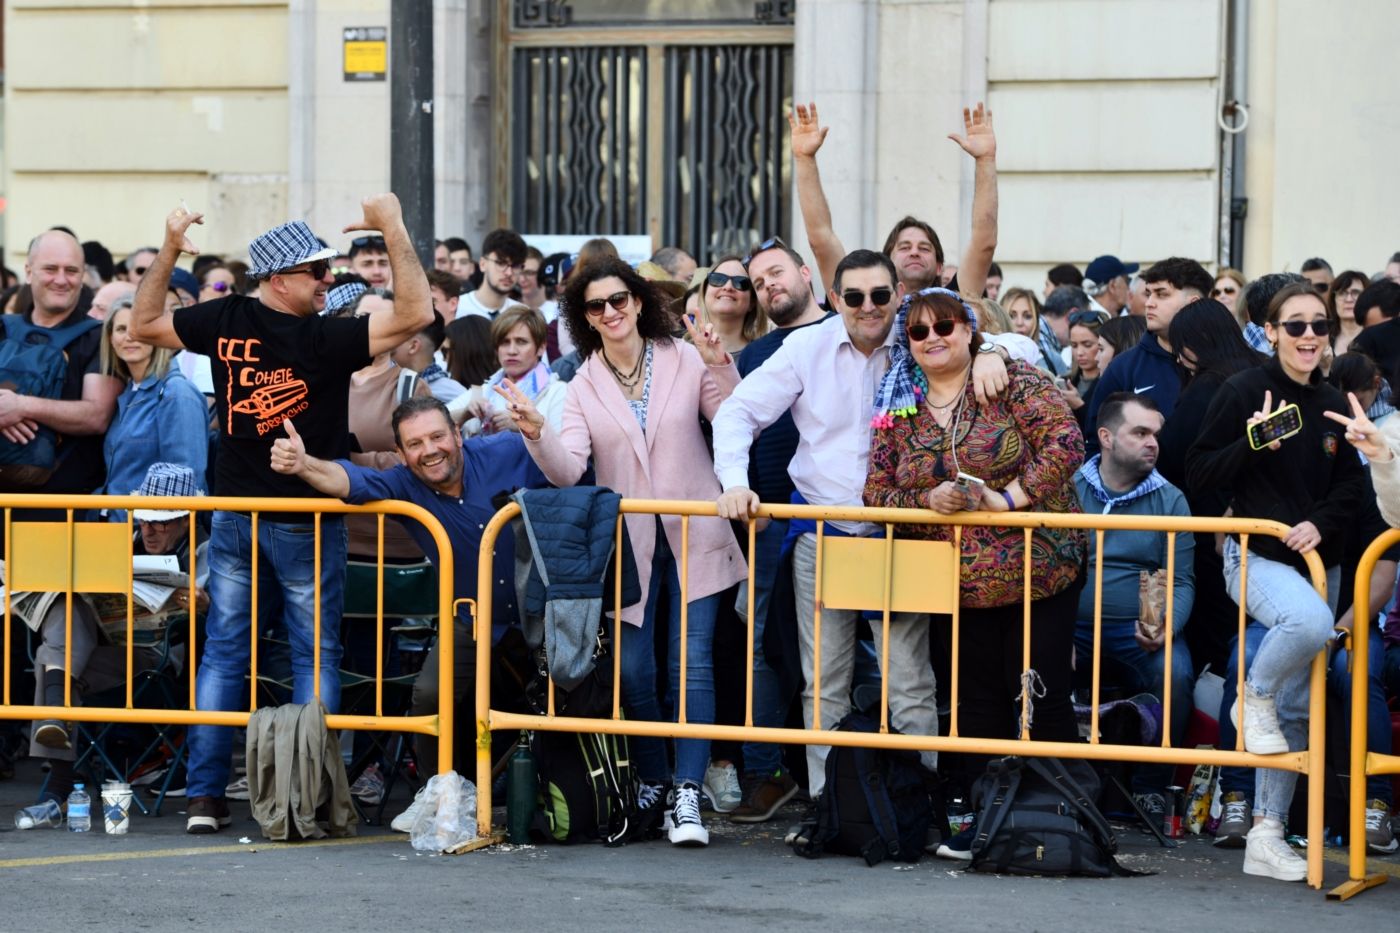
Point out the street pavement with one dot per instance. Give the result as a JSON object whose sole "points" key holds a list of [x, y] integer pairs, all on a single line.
{"points": [[157, 878]]}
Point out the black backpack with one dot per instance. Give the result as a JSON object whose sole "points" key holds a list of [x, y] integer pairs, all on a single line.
{"points": [[1036, 818], [33, 362], [876, 803]]}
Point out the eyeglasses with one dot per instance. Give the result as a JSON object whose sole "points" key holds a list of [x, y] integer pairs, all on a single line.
{"points": [[879, 297], [1085, 317], [767, 244], [944, 328], [1321, 287], [594, 306], [1226, 290], [505, 264], [140, 270], [718, 280], [317, 270], [1321, 327], [1352, 293]]}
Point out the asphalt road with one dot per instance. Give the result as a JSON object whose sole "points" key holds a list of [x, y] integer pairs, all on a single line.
{"points": [[158, 878]]}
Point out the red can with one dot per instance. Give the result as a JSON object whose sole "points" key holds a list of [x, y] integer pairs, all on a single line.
{"points": [[1174, 817]]}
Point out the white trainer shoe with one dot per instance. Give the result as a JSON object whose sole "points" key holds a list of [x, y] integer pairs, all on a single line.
{"points": [[683, 824], [721, 787], [1261, 732], [1268, 856]]}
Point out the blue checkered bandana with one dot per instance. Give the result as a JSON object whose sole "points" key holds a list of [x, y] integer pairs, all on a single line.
{"points": [[904, 385]]}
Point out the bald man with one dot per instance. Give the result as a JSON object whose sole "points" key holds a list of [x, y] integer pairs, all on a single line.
{"points": [[80, 414]]}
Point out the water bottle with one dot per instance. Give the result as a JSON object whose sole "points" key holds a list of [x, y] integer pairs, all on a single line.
{"points": [[521, 790], [47, 814], [79, 810]]}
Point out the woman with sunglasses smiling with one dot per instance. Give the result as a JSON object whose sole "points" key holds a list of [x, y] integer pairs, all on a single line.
{"points": [[1025, 448], [1312, 482], [634, 407], [727, 301]]}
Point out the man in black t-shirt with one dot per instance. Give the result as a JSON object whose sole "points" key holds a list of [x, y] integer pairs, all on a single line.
{"points": [[81, 413], [274, 359]]}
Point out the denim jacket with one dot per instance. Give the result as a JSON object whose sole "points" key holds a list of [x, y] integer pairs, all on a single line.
{"points": [[161, 418]]}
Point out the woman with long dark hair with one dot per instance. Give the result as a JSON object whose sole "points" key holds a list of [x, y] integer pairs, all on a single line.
{"points": [[634, 406], [1341, 306]]}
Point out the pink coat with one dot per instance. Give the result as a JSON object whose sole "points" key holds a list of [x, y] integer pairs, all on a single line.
{"points": [[669, 462]]}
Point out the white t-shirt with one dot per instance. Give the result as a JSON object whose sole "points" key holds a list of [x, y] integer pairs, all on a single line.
{"points": [[468, 305]]}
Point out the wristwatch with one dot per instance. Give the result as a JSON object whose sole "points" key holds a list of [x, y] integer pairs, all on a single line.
{"points": [[990, 347]]}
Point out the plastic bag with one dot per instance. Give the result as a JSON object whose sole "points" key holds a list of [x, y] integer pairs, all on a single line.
{"points": [[447, 817]]}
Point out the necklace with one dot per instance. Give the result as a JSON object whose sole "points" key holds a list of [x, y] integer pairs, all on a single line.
{"points": [[629, 379], [957, 397]]}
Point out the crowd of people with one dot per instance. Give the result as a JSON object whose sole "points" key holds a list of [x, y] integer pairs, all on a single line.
{"points": [[912, 381]]}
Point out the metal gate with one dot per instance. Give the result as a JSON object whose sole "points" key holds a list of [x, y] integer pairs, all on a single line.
{"points": [[618, 127]]}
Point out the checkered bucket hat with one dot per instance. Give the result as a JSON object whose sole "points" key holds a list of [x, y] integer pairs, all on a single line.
{"points": [[166, 479], [282, 247], [342, 296]]}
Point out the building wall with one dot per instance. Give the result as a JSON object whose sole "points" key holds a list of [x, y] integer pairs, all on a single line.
{"points": [[116, 112]]}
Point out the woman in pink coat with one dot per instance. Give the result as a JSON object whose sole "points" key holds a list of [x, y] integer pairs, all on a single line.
{"points": [[635, 407]]}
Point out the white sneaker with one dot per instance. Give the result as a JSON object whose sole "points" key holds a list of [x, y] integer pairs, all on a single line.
{"points": [[683, 825], [403, 823], [238, 790], [722, 788], [1261, 732], [1268, 856]]}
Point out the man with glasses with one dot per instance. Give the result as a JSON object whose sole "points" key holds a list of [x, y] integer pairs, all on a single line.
{"points": [[369, 259], [275, 358], [532, 293], [826, 375], [137, 264], [502, 264], [1318, 271]]}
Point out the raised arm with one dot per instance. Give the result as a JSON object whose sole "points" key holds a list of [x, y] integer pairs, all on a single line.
{"points": [[289, 456], [149, 321], [807, 138], [413, 304], [979, 142]]}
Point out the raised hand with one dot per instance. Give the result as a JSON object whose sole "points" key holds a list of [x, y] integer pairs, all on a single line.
{"points": [[528, 420], [1362, 432], [978, 139], [1263, 413], [707, 342], [289, 453], [381, 213], [177, 223], [807, 132]]}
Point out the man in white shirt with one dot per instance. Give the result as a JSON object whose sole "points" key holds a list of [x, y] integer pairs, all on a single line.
{"points": [[502, 263], [827, 375]]}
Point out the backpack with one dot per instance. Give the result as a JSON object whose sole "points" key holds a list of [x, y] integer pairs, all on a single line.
{"points": [[33, 362], [1036, 818], [588, 790], [876, 803]]}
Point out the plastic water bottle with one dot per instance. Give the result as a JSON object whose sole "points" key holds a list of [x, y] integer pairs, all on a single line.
{"points": [[79, 810], [521, 792]]}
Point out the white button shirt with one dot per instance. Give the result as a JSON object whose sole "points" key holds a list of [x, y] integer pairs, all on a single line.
{"points": [[830, 387]]}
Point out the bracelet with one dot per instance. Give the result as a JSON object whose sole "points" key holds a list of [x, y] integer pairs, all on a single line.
{"points": [[1010, 502]]}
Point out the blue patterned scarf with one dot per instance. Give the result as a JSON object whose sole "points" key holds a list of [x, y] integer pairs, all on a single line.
{"points": [[905, 385]]}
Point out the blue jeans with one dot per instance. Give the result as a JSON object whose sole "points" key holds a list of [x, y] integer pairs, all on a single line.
{"points": [[639, 692], [769, 708], [1299, 623], [1126, 666], [286, 557], [1377, 713]]}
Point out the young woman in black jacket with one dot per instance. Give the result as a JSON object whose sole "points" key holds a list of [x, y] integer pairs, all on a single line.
{"points": [[1313, 483]]}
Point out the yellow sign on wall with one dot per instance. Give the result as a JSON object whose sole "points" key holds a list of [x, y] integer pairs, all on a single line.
{"points": [[366, 53]]}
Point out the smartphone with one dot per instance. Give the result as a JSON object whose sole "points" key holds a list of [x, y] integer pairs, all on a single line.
{"points": [[970, 486], [1060, 383], [1284, 423]]}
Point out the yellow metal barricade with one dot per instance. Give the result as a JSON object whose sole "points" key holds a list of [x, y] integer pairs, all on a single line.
{"points": [[75, 557], [1364, 762], [893, 575]]}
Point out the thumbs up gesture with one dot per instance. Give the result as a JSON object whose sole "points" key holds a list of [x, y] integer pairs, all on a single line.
{"points": [[289, 453]]}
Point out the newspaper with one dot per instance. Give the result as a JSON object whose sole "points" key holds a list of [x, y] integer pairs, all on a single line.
{"points": [[155, 579]]}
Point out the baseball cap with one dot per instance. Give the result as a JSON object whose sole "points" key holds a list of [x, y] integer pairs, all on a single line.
{"points": [[1107, 268]]}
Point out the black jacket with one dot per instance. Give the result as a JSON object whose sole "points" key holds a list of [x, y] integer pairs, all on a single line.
{"points": [[1315, 476]]}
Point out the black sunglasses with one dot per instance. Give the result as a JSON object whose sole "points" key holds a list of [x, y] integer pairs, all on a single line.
{"points": [[943, 328], [140, 270], [765, 245], [360, 242], [879, 297], [718, 280], [1085, 317], [317, 270], [1321, 327], [594, 306]]}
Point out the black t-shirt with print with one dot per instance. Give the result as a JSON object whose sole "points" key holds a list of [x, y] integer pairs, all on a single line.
{"points": [[267, 367]]}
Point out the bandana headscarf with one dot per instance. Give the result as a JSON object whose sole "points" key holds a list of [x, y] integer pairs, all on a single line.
{"points": [[905, 385]]}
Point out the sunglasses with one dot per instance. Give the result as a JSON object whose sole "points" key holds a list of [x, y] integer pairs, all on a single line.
{"points": [[219, 287], [1229, 290], [140, 270], [943, 328], [317, 270], [594, 306], [767, 244], [718, 280], [360, 242], [1321, 287], [1085, 317], [879, 297], [1321, 327]]}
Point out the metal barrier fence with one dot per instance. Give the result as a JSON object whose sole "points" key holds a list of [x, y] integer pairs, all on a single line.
{"points": [[1364, 762], [76, 557], [877, 573]]}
